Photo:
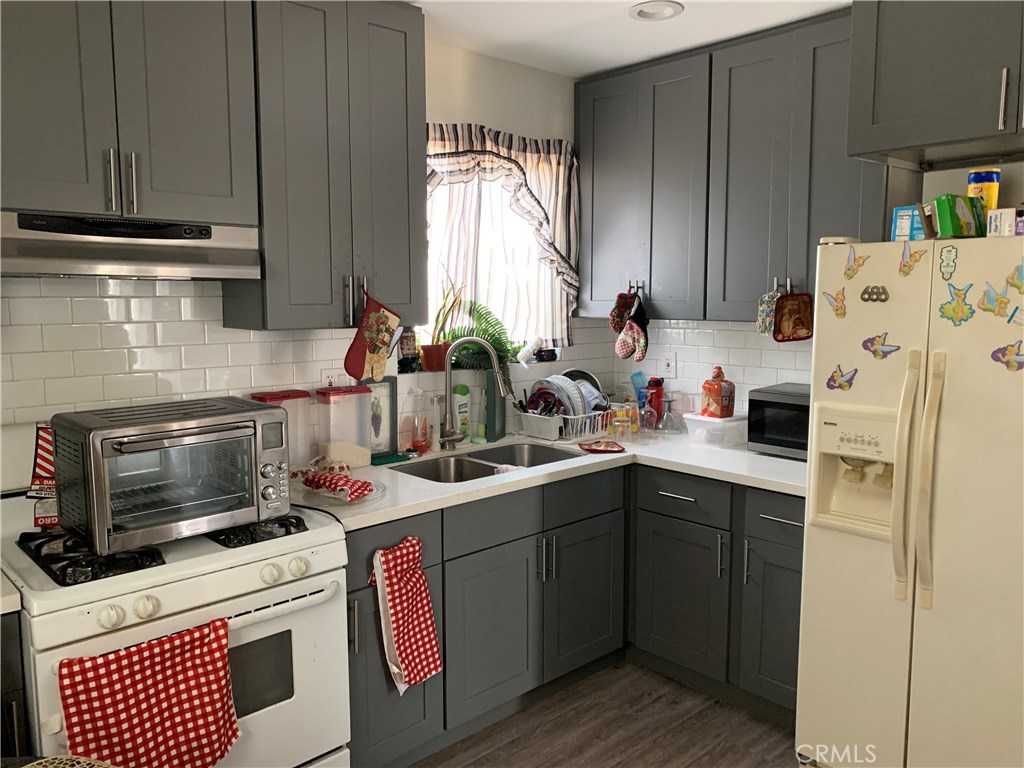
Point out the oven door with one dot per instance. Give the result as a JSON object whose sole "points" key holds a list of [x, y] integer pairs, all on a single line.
{"points": [[289, 672], [778, 428], [169, 485]]}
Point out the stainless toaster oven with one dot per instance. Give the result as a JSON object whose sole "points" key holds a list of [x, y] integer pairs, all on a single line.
{"points": [[778, 420], [129, 477]]}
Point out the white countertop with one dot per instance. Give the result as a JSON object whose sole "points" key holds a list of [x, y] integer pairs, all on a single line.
{"points": [[408, 495], [10, 600]]}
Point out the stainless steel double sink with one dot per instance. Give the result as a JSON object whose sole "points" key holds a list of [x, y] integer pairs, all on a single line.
{"points": [[483, 462]]}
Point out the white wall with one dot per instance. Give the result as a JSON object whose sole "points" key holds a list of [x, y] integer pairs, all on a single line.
{"points": [[468, 87]]}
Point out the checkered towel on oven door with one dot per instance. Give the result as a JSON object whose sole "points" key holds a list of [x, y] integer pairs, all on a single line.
{"points": [[406, 614], [162, 704]]}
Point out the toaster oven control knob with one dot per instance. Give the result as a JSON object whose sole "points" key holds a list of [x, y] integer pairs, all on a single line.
{"points": [[268, 471], [269, 493], [110, 616], [271, 573], [146, 607], [298, 567]]}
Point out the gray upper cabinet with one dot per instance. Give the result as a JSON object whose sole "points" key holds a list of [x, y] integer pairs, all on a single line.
{"points": [[929, 73], [186, 112], [673, 138], [388, 118], [611, 250], [59, 130], [748, 199]]}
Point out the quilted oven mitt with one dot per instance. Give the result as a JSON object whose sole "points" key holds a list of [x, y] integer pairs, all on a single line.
{"points": [[620, 313], [632, 341]]}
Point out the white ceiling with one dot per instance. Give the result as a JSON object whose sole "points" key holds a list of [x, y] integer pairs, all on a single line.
{"points": [[580, 38]]}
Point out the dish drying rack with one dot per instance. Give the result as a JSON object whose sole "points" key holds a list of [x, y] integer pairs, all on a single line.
{"points": [[596, 424]]}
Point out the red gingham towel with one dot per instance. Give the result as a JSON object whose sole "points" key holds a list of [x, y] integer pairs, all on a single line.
{"points": [[406, 615], [162, 704], [337, 483]]}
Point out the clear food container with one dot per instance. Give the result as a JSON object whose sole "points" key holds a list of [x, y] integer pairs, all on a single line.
{"points": [[296, 403], [723, 433], [343, 421]]}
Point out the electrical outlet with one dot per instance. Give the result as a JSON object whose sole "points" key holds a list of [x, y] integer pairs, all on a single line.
{"points": [[333, 377], [668, 366]]}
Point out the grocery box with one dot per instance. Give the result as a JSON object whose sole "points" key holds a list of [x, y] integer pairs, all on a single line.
{"points": [[906, 223], [1001, 222], [953, 216]]}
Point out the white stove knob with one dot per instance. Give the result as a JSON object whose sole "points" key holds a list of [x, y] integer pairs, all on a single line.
{"points": [[298, 567], [110, 616], [270, 574], [146, 607]]}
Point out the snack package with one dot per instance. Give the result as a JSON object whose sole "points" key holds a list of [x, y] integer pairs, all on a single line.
{"points": [[718, 396]]}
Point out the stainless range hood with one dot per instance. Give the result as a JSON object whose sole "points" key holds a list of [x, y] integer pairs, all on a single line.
{"points": [[33, 244]]}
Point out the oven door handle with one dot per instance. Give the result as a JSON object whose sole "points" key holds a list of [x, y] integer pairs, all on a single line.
{"points": [[283, 609], [129, 445]]}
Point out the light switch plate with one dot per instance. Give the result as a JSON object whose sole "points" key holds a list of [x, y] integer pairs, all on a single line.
{"points": [[668, 366]]}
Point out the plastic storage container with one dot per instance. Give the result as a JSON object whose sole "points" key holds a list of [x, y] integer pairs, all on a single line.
{"points": [[723, 433], [296, 402], [343, 418]]}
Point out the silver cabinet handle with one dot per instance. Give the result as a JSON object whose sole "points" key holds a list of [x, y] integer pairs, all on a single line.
{"points": [[719, 555], [355, 627], [554, 558], [543, 570], [134, 182], [362, 296], [112, 170], [676, 496], [350, 298], [746, 560], [16, 728], [1002, 99], [780, 520]]}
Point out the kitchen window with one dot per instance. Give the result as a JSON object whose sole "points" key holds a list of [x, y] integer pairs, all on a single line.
{"points": [[503, 223]]}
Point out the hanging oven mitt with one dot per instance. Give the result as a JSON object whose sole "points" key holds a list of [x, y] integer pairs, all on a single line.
{"points": [[621, 311], [794, 317], [766, 312], [368, 353]]}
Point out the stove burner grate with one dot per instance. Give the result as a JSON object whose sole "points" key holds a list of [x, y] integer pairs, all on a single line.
{"points": [[66, 558], [253, 533]]}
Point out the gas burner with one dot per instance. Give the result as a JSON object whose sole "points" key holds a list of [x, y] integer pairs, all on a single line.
{"points": [[67, 559], [253, 533]]}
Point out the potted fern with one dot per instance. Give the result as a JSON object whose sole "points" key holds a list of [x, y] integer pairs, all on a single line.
{"points": [[432, 355], [487, 326]]}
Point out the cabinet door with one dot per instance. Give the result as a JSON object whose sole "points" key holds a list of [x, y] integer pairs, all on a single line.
{"points": [[388, 124], [748, 200], [612, 251], [386, 725], [683, 592], [907, 90], [57, 100], [304, 158], [831, 193], [583, 593], [770, 634], [673, 131], [493, 629], [186, 110]]}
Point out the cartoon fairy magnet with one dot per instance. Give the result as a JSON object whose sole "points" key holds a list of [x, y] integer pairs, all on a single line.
{"points": [[839, 380], [837, 302], [957, 310], [876, 346], [1016, 277], [854, 263], [909, 259], [993, 302], [947, 261], [1010, 356]]}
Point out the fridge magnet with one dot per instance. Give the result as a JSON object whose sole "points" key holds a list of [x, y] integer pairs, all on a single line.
{"points": [[1013, 318], [854, 263], [837, 302], [1016, 277], [875, 293], [383, 415], [1010, 356], [993, 302], [909, 259], [876, 346], [839, 380], [947, 261], [957, 310]]}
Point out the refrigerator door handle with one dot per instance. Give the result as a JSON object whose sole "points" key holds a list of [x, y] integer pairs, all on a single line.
{"points": [[901, 471], [929, 425]]}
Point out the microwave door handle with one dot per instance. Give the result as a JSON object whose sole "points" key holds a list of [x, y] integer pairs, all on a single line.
{"points": [[283, 609], [139, 446]]}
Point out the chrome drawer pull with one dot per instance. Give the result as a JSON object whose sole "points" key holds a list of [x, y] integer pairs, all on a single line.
{"points": [[746, 560], [1002, 99], [676, 496], [719, 550], [542, 572], [780, 520]]}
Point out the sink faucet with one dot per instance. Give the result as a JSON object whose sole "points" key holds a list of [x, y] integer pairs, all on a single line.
{"points": [[450, 434]]}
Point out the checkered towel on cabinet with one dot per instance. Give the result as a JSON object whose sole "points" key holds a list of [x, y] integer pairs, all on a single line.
{"points": [[406, 614], [162, 704]]}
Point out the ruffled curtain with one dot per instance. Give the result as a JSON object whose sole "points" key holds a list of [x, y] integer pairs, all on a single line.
{"points": [[475, 177]]}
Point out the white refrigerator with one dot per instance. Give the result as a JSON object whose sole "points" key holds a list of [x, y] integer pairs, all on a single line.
{"points": [[912, 622]]}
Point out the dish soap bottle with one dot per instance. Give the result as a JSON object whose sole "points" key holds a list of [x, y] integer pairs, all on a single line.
{"points": [[460, 405]]}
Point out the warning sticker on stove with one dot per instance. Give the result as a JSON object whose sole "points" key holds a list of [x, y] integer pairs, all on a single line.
{"points": [[44, 485]]}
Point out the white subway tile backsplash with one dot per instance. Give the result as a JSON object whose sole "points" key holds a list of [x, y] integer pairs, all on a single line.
{"points": [[218, 334], [40, 413], [759, 341], [229, 378], [12, 287], [250, 353], [69, 286], [7, 416], [309, 373], [99, 310], [328, 349], [129, 385], [736, 339], [110, 287], [177, 288], [272, 375], [760, 377], [127, 335], [22, 394], [291, 351], [797, 377], [179, 382], [191, 332], [63, 391], [745, 357], [778, 359], [704, 338], [40, 311], [155, 358], [5, 312], [42, 365], [69, 337], [714, 356], [803, 361], [21, 338], [100, 361], [210, 287], [201, 308], [204, 355], [6, 369], [157, 308]]}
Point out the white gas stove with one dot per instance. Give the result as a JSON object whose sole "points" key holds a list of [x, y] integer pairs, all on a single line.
{"points": [[285, 601]]}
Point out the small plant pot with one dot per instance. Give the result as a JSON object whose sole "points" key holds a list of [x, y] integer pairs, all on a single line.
{"points": [[432, 356]]}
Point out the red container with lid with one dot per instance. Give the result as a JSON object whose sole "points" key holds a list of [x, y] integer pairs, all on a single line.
{"points": [[296, 404]]}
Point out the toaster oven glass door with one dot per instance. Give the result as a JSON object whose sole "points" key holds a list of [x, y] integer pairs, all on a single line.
{"points": [[778, 424]]}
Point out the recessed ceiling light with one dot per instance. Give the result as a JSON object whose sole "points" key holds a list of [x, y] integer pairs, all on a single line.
{"points": [[656, 10]]}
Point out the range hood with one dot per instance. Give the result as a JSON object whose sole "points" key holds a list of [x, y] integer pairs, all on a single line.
{"points": [[33, 244]]}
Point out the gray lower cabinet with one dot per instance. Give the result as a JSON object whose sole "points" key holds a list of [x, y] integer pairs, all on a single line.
{"points": [[682, 610], [386, 725], [906, 90], [770, 625], [583, 593], [15, 740], [57, 101], [493, 619]]}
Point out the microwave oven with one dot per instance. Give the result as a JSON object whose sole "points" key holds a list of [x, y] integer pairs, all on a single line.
{"points": [[778, 420], [143, 475]]}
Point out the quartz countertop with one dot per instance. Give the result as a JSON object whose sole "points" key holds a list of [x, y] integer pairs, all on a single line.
{"points": [[10, 600], [408, 495]]}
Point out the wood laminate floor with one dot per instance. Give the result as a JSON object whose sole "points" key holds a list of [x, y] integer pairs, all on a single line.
{"points": [[624, 717]]}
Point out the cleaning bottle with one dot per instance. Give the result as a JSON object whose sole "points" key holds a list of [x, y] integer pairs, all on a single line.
{"points": [[460, 406]]}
